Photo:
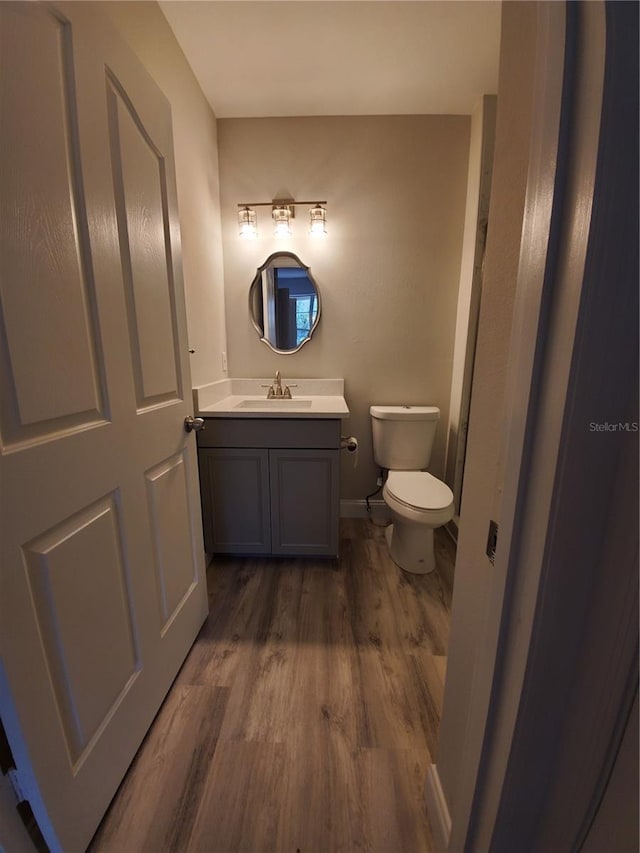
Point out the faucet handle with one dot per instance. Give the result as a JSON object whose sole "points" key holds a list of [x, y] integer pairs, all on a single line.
{"points": [[287, 390]]}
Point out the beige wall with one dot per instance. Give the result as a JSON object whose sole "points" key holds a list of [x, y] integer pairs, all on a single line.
{"points": [[483, 478], [145, 28], [388, 269]]}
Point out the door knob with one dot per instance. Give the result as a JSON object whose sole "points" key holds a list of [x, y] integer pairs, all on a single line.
{"points": [[193, 424]]}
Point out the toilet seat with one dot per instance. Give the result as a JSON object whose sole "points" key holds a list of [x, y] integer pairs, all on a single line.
{"points": [[419, 491]]}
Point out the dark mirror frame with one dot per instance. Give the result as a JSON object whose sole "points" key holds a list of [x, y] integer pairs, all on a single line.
{"points": [[255, 294]]}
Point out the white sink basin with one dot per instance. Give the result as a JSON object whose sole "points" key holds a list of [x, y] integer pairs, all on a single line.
{"points": [[275, 402], [246, 398]]}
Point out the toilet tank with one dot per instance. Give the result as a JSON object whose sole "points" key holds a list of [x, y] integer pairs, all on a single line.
{"points": [[403, 436]]}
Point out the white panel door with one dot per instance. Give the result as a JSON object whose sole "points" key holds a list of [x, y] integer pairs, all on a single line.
{"points": [[102, 584]]}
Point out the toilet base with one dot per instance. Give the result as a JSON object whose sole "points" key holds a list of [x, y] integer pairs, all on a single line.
{"points": [[411, 547]]}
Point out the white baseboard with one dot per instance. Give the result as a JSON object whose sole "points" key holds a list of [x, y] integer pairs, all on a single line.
{"points": [[437, 810], [358, 508]]}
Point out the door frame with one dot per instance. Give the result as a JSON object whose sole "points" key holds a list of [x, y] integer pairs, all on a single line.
{"points": [[561, 369], [485, 708]]}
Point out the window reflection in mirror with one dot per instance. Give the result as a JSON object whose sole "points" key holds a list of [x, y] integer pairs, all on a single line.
{"points": [[284, 302]]}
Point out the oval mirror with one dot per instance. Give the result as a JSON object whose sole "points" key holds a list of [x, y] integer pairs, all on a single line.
{"points": [[284, 302]]}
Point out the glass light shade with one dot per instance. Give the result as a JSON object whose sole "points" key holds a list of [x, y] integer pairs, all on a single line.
{"points": [[248, 222], [318, 220], [281, 222]]}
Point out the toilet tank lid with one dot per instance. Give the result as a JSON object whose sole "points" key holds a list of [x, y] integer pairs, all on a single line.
{"points": [[405, 413]]}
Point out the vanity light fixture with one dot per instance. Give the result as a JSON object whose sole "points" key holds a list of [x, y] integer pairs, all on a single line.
{"points": [[318, 220], [282, 212], [248, 222], [281, 221]]}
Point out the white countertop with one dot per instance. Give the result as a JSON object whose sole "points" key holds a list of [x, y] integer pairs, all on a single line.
{"points": [[245, 398]]}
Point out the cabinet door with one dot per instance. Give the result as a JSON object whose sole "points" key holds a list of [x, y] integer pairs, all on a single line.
{"points": [[235, 500], [304, 501]]}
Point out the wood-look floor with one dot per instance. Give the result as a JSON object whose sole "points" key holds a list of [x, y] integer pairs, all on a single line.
{"points": [[305, 716]]}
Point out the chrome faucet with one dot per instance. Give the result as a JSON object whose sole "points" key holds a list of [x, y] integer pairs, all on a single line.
{"points": [[276, 391]]}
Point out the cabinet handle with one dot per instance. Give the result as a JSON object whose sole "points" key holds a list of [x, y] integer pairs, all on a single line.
{"points": [[193, 424]]}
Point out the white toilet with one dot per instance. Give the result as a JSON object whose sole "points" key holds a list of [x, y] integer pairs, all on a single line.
{"points": [[419, 502]]}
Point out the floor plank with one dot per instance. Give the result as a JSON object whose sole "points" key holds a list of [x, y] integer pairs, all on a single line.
{"points": [[240, 808], [304, 717], [154, 809]]}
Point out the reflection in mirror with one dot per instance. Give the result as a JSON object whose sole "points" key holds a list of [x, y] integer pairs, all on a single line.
{"points": [[284, 302]]}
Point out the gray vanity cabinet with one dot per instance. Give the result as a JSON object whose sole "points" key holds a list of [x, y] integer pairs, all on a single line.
{"points": [[270, 486], [236, 513]]}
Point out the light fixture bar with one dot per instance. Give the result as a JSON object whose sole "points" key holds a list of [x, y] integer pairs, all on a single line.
{"points": [[279, 202]]}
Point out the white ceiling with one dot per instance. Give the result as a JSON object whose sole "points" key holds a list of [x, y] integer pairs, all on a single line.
{"points": [[339, 57]]}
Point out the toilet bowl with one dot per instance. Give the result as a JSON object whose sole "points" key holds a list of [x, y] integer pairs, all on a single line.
{"points": [[418, 503], [402, 440]]}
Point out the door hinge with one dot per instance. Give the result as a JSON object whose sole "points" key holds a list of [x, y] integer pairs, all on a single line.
{"points": [[492, 541], [23, 806], [14, 780], [8, 765]]}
